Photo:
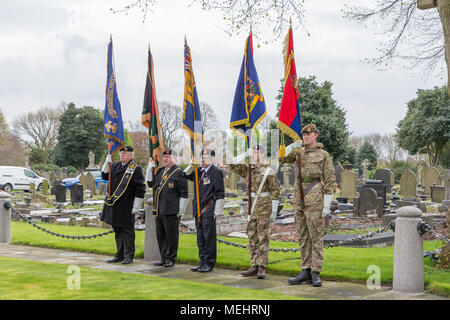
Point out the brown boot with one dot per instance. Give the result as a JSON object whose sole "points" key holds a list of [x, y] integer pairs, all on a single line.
{"points": [[261, 272], [252, 271]]}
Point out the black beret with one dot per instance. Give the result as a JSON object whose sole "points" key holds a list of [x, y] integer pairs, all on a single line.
{"points": [[127, 148]]}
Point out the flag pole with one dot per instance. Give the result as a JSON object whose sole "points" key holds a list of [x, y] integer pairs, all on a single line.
{"points": [[199, 217]]}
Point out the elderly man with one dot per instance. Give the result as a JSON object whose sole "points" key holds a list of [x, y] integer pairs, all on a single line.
{"points": [[170, 197], [212, 200], [127, 189]]}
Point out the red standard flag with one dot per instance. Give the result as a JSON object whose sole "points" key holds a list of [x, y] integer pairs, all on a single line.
{"points": [[289, 120]]}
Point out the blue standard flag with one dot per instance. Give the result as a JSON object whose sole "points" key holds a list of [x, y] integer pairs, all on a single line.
{"points": [[249, 107], [192, 120], [113, 127]]}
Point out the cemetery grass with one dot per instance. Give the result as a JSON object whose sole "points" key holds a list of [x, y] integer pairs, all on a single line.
{"points": [[340, 263], [24, 280]]}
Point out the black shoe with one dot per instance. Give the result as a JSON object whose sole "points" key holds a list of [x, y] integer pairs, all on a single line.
{"points": [[303, 277], [127, 261], [196, 268], [114, 260], [205, 268], [169, 264], [316, 282], [159, 263]]}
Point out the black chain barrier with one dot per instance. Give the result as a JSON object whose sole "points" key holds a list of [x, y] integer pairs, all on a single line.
{"points": [[27, 219], [330, 245], [425, 227]]}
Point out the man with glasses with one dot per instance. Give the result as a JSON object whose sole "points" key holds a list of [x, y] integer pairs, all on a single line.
{"points": [[212, 201], [123, 201]]}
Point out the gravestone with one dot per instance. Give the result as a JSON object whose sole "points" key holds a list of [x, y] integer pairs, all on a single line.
{"points": [[392, 178], [76, 194], [445, 178], [60, 193], [226, 183], [234, 178], [367, 201], [365, 165], [45, 187], [377, 185], [338, 169], [52, 178], [437, 193], [102, 188], [90, 183], [83, 179], [408, 184], [348, 184], [32, 187], [286, 170], [430, 177], [385, 175]]}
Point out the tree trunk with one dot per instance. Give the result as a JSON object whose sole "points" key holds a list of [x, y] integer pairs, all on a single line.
{"points": [[444, 13]]}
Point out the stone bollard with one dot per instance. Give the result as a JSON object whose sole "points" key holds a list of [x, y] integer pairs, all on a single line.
{"points": [[5, 218], [151, 248], [408, 252]]}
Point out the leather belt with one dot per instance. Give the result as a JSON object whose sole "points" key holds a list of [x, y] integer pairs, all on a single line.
{"points": [[309, 187], [209, 204]]}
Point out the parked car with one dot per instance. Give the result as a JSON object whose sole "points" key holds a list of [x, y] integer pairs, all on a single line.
{"points": [[19, 178], [71, 181]]}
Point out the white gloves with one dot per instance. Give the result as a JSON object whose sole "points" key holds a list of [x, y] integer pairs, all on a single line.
{"points": [[326, 204], [273, 215], [297, 144], [240, 158], [137, 205], [108, 160], [148, 174], [218, 210], [183, 205], [189, 168]]}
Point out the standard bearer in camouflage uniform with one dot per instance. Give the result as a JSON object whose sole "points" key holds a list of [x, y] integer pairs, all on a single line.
{"points": [[318, 181], [265, 193]]}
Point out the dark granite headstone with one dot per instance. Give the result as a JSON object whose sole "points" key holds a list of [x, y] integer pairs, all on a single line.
{"points": [[385, 175], [377, 185], [367, 201], [76, 193], [60, 193]]}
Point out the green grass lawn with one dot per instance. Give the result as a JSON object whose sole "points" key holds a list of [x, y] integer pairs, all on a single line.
{"points": [[340, 263], [25, 280]]}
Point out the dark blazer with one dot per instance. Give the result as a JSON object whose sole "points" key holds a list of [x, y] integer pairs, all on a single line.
{"points": [[120, 213], [167, 193], [210, 187]]}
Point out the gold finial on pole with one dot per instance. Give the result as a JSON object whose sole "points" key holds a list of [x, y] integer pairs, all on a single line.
{"points": [[110, 37], [149, 46], [290, 23], [250, 28], [185, 40]]}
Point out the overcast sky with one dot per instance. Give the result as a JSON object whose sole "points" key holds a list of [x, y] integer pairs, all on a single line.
{"points": [[55, 50]]}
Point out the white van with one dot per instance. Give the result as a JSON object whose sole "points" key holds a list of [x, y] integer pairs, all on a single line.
{"points": [[18, 178]]}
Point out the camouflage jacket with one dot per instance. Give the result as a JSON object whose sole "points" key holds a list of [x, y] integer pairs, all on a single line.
{"points": [[263, 205], [315, 163]]}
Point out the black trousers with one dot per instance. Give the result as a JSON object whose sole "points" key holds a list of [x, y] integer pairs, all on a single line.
{"points": [[124, 242], [206, 239], [167, 235]]}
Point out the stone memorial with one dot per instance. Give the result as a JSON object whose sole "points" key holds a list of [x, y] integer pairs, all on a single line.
{"points": [[365, 165], [76, 194], [377, 185], [32, 187], [234, 178], [367, 201], [52, 178], [408, 184], [348, 184], [102, 188], [60, 193], [385, 175], [338, 169], [45, 187], [430, 176], [83, 179], [90, 183], [437, 193]]}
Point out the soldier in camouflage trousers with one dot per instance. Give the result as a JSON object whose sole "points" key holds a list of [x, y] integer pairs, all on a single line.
{"points": [[318, 182], [265, 208]]}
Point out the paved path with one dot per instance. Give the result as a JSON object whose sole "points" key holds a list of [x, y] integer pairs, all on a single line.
{"points": [[231, 278]]}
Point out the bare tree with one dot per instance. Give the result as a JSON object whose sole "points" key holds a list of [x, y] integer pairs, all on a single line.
{"points": [[170, 117], [39, 129], [393, 150], [139, 135], [4, 128], [12, 151], [418, 38], [209, 117], [240, 14]]}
